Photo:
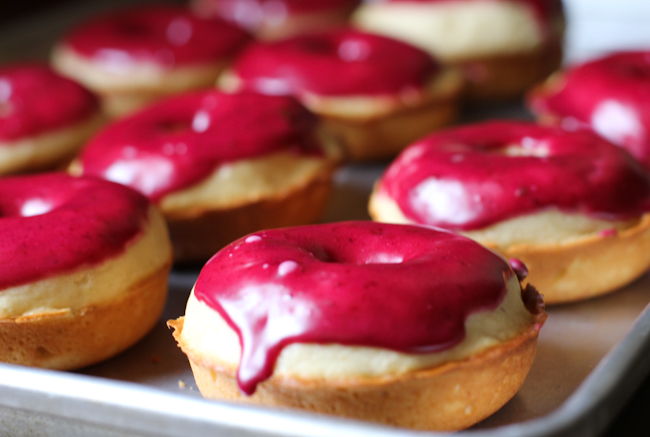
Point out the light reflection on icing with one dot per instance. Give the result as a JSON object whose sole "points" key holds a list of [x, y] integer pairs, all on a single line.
{"points": [[620, 124], [609, 95], [509, 169], [180, 141], [334, 295], [33, 207]]}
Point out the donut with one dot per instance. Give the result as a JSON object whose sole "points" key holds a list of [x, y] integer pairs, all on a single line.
{"points": [[218, 165], [609, 95], [44, 118], [374, 93], [401, 325], [135, 56], [277, 19], [502, 46], [570, 205], [84, 269]]}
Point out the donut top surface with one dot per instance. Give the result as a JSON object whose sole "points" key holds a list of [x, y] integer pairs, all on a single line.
{"points": [[279, 7], [35, 100], [404, 288], [182, 140], [164, 35], [54, 223], [544, 10], [610, 95], [472, 177], [336, 63]]}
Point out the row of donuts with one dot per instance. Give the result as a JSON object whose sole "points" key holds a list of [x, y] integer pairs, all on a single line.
{"points": [[625, 201]]}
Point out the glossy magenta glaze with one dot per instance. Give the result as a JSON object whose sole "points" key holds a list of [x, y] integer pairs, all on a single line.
{"points": [[404, 288], [545, 10], [53, 223], [610, 95], [182, 140], [335, 63], [466, 178], [165, 35], [252, 14], [35, 100]]}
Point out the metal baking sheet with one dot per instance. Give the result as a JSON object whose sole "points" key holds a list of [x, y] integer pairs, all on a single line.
{"points": [[591, 355]]}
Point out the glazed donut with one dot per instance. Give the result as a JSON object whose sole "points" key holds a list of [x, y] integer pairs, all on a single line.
{"points": [[376, 94], [502, 46], [44, 118], [84, 270], [276, 19], [570, 205], [401, 325], [610, 96], [132, 57], [219, 165]]}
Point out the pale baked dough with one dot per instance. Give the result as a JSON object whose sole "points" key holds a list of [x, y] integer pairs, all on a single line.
{"points": [[444, 391], [80, 318], [456, 30], [247, 181], [92, 285], [127, 86], [569, 256], [46, 151], [203, 327]]}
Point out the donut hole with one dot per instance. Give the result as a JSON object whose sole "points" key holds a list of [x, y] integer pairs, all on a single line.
{"points": [[318, 46], [174, 127], [525, 148], [132, 29]]}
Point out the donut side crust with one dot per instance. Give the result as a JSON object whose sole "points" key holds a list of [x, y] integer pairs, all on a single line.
{"points": [[67, 340], [587, 267], [199, 234], [125, 93], [448, 397], [507, 77], [574, 270], [384, 137], [49, 150]]}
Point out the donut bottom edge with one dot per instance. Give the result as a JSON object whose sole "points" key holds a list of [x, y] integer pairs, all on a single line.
{"points": [[449, 397], [65, 341], [507, 77], [196, 237]]}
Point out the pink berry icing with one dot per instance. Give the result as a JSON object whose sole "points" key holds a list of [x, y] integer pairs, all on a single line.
{"points": [[610, 96], [335, 63], [403, 288], [464, 179], [54, 223], [180, 141], [34, 100], [165, 35]]}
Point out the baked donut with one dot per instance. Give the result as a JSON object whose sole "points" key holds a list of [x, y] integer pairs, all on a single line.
{"points": [[84, 269], [502, 46], [609, 95], [374, 93], [218, 165], [44, 118], [401, 325], [570, 205], [276, 19], [132, 57]]}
